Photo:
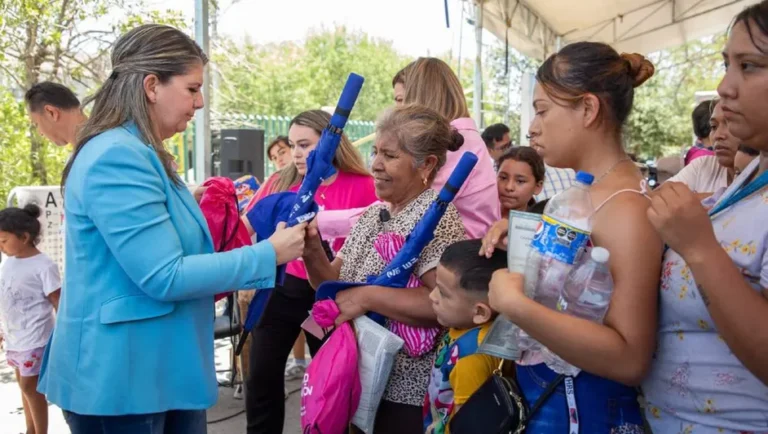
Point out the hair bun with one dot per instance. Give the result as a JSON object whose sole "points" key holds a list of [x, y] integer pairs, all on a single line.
{"points": [[456, 141], [32, 209], [639, 68]]}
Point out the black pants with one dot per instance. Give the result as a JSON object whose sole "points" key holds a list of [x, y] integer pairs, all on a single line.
{"points": [[392, 418], [272, 341]]}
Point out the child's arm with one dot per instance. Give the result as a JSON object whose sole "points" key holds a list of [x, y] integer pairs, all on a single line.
{"points": [[54, 299]]}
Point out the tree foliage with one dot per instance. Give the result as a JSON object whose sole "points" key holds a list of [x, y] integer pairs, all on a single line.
{"points": [[661, 120], [60, 40], [287, 78]]}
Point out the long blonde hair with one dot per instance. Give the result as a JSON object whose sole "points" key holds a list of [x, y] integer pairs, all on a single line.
{"points": [[347, 158], [431, 83], [149, 49]]}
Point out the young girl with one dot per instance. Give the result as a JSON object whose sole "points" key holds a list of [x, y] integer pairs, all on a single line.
{"points": [[29, 292], [582, 98], [519, 179]]}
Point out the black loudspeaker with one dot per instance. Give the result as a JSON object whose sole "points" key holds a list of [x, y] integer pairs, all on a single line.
{"points": [[241, 152]]}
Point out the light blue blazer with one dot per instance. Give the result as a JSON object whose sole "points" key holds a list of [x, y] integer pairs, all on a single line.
{"points": [[134, 330]]}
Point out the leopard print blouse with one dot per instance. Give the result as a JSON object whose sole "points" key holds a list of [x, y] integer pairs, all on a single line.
{"points": [[410, 377]]}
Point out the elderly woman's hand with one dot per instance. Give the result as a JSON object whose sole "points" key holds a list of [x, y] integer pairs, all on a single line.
{"points": [[496, 238], [352, 303]]}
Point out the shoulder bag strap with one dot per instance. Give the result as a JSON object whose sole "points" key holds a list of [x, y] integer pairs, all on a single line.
{"points": [[546, 394]]}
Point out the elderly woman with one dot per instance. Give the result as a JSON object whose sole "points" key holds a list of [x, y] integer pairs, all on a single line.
{"points": [[410, 148]]}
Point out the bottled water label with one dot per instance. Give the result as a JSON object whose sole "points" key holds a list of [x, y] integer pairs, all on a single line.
{"points": [[560, 240]]}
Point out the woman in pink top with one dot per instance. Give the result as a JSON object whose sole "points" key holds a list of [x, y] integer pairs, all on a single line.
{"points": [[430, 82], [289, 305]]}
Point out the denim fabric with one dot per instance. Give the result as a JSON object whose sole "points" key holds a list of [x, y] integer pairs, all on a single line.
{"points": [[604, 406], [170, 422]]}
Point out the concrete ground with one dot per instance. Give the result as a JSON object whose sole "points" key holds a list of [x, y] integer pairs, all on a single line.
{"points": [[227, 417]]}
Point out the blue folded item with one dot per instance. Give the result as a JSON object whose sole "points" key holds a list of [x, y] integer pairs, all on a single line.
{"points": [[295, 208]]}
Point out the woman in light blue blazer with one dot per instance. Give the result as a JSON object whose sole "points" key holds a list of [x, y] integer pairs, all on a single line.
{"points": [[132, 351]]}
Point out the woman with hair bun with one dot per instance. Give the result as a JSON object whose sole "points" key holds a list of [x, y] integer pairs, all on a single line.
{"points": [[582, 99]]}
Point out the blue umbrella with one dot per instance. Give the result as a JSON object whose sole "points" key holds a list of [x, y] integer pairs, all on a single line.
{"points": [[399, 270], [295, 208]]}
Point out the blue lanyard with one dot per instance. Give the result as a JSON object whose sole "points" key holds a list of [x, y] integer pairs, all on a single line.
{"points": [[756, 185]]}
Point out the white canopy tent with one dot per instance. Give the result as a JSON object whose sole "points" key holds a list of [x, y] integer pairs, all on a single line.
{"points": [[538, 27]]}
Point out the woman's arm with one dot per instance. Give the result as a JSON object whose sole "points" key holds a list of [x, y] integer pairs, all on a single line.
{"points": [[410, 306], [738, 310], [621, 348], [126, 200]]}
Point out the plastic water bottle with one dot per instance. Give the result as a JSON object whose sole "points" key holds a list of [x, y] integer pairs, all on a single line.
{"points": [[557, 245], [587, 295]]}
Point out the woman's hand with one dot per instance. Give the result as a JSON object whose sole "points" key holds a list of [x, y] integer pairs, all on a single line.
{"points": [[288, 242], [496, 238], [682, 222], [506, 292], [353, 303]]}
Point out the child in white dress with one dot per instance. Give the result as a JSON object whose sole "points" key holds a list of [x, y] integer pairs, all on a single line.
{"points": [[29, 293]]}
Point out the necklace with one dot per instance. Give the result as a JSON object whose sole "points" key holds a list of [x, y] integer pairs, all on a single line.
{"points": [[611, 169]]}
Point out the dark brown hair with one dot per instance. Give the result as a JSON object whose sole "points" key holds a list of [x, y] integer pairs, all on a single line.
{"points": [[595, 68], [276, 142], [20, 221], [756, 15], [528, 155], [50, 93]]}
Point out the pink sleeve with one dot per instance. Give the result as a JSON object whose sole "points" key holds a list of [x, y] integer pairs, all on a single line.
{"points": [[338, 223], [478, 200]]}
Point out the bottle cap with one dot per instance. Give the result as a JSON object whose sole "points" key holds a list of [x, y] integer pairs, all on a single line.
{"points": [[600, 255], [585, 178]]}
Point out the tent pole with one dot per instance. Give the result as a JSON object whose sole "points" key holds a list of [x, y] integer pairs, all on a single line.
{"points": [[477, 98], [203, 116]]}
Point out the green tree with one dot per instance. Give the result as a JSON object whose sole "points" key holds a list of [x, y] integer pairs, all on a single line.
{"points": [[661, 120], [286, 78], [61, 40]]}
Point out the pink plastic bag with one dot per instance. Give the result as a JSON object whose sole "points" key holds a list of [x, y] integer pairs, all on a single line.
{"points": [[330, 392]]}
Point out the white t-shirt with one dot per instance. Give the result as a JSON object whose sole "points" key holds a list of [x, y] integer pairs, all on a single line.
{"points": [[26, 315], [703, 175]]}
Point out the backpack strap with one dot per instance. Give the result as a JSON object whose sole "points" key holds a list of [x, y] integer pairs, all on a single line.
{"points": [[466, 345]]}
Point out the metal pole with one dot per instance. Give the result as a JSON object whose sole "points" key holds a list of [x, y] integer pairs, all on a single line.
{"points": [[477, 98], [461, 41], [203, 116]]}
